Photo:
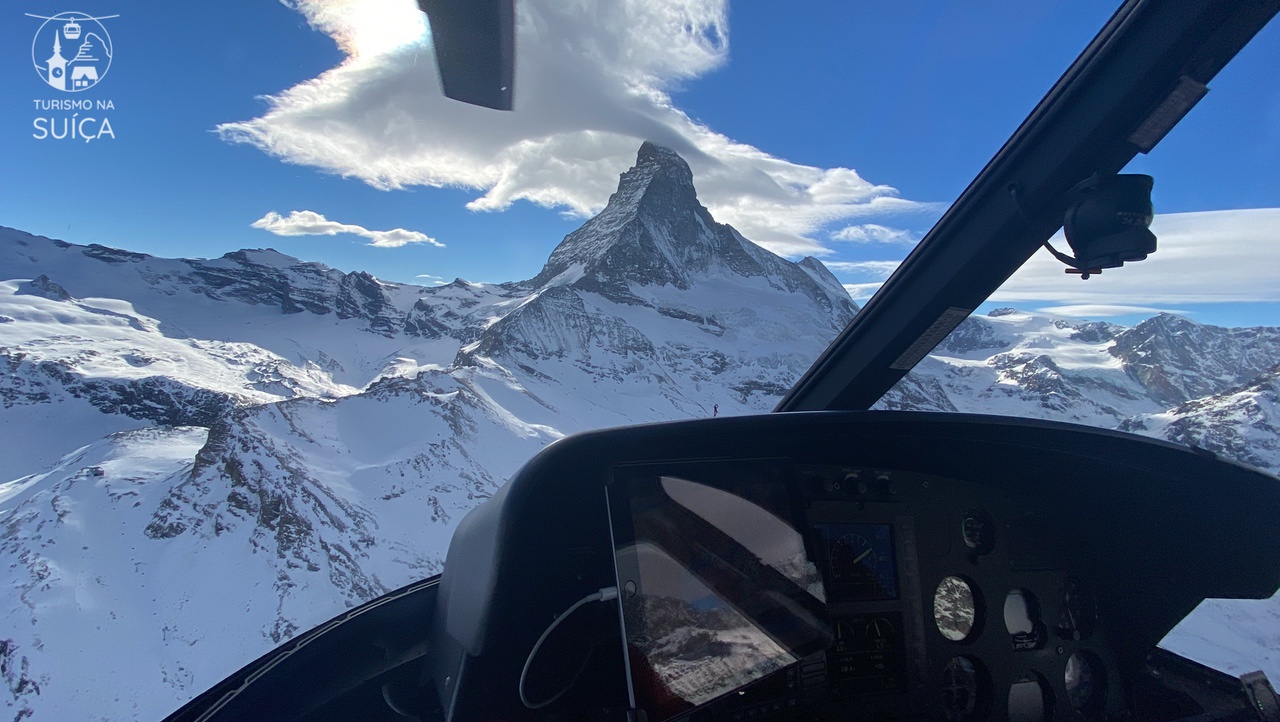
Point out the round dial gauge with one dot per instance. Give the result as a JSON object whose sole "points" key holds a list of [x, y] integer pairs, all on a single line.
{"points": [[978, 530], [1022, 619], [853, 560], [1079, 613], [880, 628], [861, 562], [966, 687], [1030, 699], [1086, 683]]}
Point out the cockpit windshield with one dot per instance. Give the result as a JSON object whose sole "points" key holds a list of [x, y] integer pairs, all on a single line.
{"points": [[275, 313]]}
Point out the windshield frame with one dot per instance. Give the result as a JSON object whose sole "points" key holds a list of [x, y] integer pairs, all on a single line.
{"points": [[1111, 104]]}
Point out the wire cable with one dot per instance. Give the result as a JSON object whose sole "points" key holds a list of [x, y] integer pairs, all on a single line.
{"points": [[604, 595], [1015, 192]]}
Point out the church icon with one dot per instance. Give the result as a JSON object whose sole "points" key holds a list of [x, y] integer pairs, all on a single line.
{"points": [[72, 51]]}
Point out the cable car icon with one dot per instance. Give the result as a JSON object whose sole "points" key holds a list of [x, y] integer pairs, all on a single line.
{"points": [[71, 30]]}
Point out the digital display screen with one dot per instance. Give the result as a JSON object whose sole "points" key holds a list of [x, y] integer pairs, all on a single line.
{"points": [[860, 563], [716, 586]]}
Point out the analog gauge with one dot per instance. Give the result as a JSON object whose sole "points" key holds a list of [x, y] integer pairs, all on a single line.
{"points": [[880, 628], [978, 530], [1086, 683], [966, 689], [849, 556], [860, 557], [957, 609], [1022, 619], [1030, 699], [869, 654], [1079, 613]]}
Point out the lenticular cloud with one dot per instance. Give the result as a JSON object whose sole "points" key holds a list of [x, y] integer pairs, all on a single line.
{"points": [[592, 81]]}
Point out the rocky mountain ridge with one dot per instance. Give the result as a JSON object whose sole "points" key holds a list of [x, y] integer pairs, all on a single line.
{"points": [[339, 409], [208, 457], [654, 232], [1089, 372]]}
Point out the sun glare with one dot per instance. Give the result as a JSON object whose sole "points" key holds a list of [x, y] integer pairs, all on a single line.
{"points": [[375, 27]]}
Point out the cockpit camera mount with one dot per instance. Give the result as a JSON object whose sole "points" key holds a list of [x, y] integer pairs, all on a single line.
{"points": [[1107, 223]]}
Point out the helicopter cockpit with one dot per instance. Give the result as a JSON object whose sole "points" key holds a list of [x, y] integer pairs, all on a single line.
{"points": [[829, 562], [806, 566]]}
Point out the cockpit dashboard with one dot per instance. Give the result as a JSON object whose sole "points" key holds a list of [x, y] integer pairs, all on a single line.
{"points": [[841, 565]]}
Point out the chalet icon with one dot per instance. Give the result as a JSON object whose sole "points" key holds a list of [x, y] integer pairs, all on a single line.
{"points": [[83, 76]]}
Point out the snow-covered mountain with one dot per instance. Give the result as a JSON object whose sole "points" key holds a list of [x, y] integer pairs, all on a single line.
{"points": [[1169, 377], [1241, 423], [205, 457], [218, 454]]}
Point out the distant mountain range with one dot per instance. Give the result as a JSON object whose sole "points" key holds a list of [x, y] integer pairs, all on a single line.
{"points": [[205, 457]]}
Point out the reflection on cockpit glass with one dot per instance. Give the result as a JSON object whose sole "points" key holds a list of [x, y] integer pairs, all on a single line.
{"points": [[760, 531], [695, 646], [720, 588], [955, 609]]}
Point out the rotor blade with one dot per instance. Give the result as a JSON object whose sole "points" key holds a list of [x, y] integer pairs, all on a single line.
{"points": [[1127, 89], [475, 44]]}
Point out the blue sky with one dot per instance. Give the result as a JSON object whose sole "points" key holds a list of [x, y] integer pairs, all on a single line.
{"points": [[837, 129]]}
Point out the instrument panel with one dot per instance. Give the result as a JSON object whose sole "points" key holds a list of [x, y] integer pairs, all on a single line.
{"points": [[972, 568], [947, 600]]}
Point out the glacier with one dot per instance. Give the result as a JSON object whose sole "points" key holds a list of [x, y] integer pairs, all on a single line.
{"points": [[204, 458]]}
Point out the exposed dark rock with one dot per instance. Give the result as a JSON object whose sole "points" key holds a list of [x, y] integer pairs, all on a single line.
{"points": [[15, 671], [44, 287], [1239, 424], [159, 399], [1095, 331], [112, 255], [916, 393], [1176, 359], [654, 232], [973, 334]]}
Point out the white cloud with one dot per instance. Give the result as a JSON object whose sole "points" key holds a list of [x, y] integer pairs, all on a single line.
{"points": [[310, 223], [434, 280], [875, 273], [862, 291], [875, 233], [1208, 257], [592, 80], [365, 28], [1094, 310], [1205, 257], [879, 270]]}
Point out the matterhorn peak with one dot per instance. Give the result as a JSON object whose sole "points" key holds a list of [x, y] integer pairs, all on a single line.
{"points": [[651, 152], [659, 183], [661, 159], [654, 232]]}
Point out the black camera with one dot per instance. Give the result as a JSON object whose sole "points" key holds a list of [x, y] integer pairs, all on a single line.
{"points": [[1108, 222]]}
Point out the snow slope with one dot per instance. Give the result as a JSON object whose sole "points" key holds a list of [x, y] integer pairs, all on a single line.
{"points": [[210, 456], [337, 427]]}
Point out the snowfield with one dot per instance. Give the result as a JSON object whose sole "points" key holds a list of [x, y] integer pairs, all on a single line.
{"points": [[203, 458]]}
